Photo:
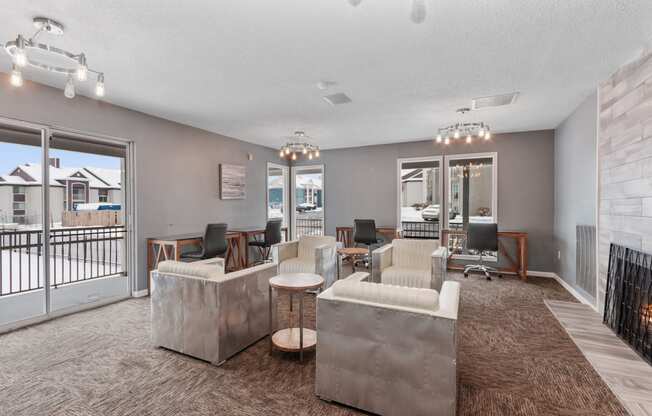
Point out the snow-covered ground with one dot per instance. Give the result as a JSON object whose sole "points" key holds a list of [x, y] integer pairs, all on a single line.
{"points": [[20, 267]]}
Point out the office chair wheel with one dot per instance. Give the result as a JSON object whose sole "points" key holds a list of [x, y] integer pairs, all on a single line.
{"points": [[466, 275], [488, 277]]}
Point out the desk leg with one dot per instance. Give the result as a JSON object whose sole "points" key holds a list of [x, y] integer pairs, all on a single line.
{"points": [[524, 255]]}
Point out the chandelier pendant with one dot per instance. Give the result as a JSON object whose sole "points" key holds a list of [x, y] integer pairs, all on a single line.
{"points": [[298, 145], [72, 65], [463, 130]]}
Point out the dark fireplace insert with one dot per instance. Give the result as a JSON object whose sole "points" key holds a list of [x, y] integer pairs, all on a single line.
{"points": [[628, 298]]}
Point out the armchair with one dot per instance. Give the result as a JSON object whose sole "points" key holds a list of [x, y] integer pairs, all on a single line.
{"points": [[400, 349], [308, 254], [410, 262], [200, 311]]}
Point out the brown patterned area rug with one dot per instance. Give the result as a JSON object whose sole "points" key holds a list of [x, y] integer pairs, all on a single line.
{"points": [[514, 359]]}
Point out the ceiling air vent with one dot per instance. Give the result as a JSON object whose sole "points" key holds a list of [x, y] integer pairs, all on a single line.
{"points": [[494, 101], [337, 99]]}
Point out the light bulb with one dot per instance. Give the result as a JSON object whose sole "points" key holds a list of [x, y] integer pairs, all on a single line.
{"points": [[487, 135], [305, 150], [456, 134], [20, 57], [69, 90], [310, 156], [447, 141], [281, 153], [287, 150], [481, 132], [82, 68], [468, 139], [99, 87], [439, 138], [294, 156], [16, 78], [317, 153]]}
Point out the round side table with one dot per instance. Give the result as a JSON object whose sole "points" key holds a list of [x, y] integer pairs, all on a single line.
{"points": [[292, 339], [353, 253]]}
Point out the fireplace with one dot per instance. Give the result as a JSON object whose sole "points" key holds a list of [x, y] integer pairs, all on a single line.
{"points": [[628, 298]]}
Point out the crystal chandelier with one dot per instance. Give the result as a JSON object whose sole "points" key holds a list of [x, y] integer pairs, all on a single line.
{"points": [[463, 129], [298, 144], [73, 66]]}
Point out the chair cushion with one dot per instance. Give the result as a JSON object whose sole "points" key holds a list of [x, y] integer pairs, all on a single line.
{"points": [[408, 277], [406, 297], [201, 270], [308, 244], [297, 265], [412, 253]]}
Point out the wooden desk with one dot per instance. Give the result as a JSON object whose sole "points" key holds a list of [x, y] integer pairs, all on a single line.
{"points": [[345, 234], [170, 248], [250, 232], [517, 264]]}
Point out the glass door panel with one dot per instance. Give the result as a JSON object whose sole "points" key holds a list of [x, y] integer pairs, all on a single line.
{"points": [[308, 200], [472, 196], [87, 221], [22, 276], [277, 192], [420, 199]]}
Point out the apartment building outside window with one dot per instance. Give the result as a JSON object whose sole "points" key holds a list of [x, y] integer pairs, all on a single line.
{"points": [[103, 195], [19, 204]]}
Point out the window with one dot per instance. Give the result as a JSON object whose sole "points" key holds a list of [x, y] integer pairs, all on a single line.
{"points": [[103, 195], [420, 197], [471, 193], [78, 194], [19, 204], [308, 201]]}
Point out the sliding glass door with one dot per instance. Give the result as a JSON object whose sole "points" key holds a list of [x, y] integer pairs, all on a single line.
{"points": [[420, 197], [87, 220], [65, 228], [22, 246], [308, 200]]}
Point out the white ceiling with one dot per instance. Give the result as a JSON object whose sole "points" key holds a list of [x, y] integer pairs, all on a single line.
{"points": [[249, 68]]}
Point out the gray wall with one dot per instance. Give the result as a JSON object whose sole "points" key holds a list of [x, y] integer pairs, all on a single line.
{"points": [[176, 165], [575, 183], [361, 183]]}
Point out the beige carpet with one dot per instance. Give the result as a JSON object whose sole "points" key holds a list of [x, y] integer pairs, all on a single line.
{"points": [[514, 359]]}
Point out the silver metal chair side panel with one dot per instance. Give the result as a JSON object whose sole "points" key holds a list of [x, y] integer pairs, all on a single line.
{"points": [[364, 361], [244, 311], [326, 264]]}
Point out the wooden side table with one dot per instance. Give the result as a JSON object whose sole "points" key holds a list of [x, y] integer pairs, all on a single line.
{"points": [[292, 339], [353, 253]]}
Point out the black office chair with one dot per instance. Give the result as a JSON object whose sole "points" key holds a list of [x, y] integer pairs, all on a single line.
{"points": [[213, 245], [484, 239], [364, 233], [272, 236]]}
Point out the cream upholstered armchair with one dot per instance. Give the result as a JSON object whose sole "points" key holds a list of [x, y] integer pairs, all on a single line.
{"points": [[308, 254], [388, 349], [411, 263]]}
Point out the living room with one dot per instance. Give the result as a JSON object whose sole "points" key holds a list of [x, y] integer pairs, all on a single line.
{"points": [[285, 208]]}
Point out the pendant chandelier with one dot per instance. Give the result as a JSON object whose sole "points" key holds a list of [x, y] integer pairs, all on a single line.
{"points": [[298, 144], [463, 129], [30, 52]]}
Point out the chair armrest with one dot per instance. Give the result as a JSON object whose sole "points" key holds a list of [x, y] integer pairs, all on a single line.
{"points": [[439, 265], [326, 263], [381, 258], [358, 277], [285, 251]]}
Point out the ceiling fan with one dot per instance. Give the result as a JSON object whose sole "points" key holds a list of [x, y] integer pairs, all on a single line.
{"points": [[417, 12]]}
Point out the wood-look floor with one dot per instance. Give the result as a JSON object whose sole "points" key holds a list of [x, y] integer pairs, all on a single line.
{"points": [[627, 374]]}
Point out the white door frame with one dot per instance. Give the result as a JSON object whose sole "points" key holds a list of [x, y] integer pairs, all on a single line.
{"points": [[399, 163], [293, 185], [286, 190]]}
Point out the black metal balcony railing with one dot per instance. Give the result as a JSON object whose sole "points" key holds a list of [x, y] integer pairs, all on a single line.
{"points": [[420, 229], [76, 254], [310, 226]]}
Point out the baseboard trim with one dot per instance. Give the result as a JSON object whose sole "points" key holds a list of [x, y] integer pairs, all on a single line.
{"points": [[139, 293], [570, 289]]}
